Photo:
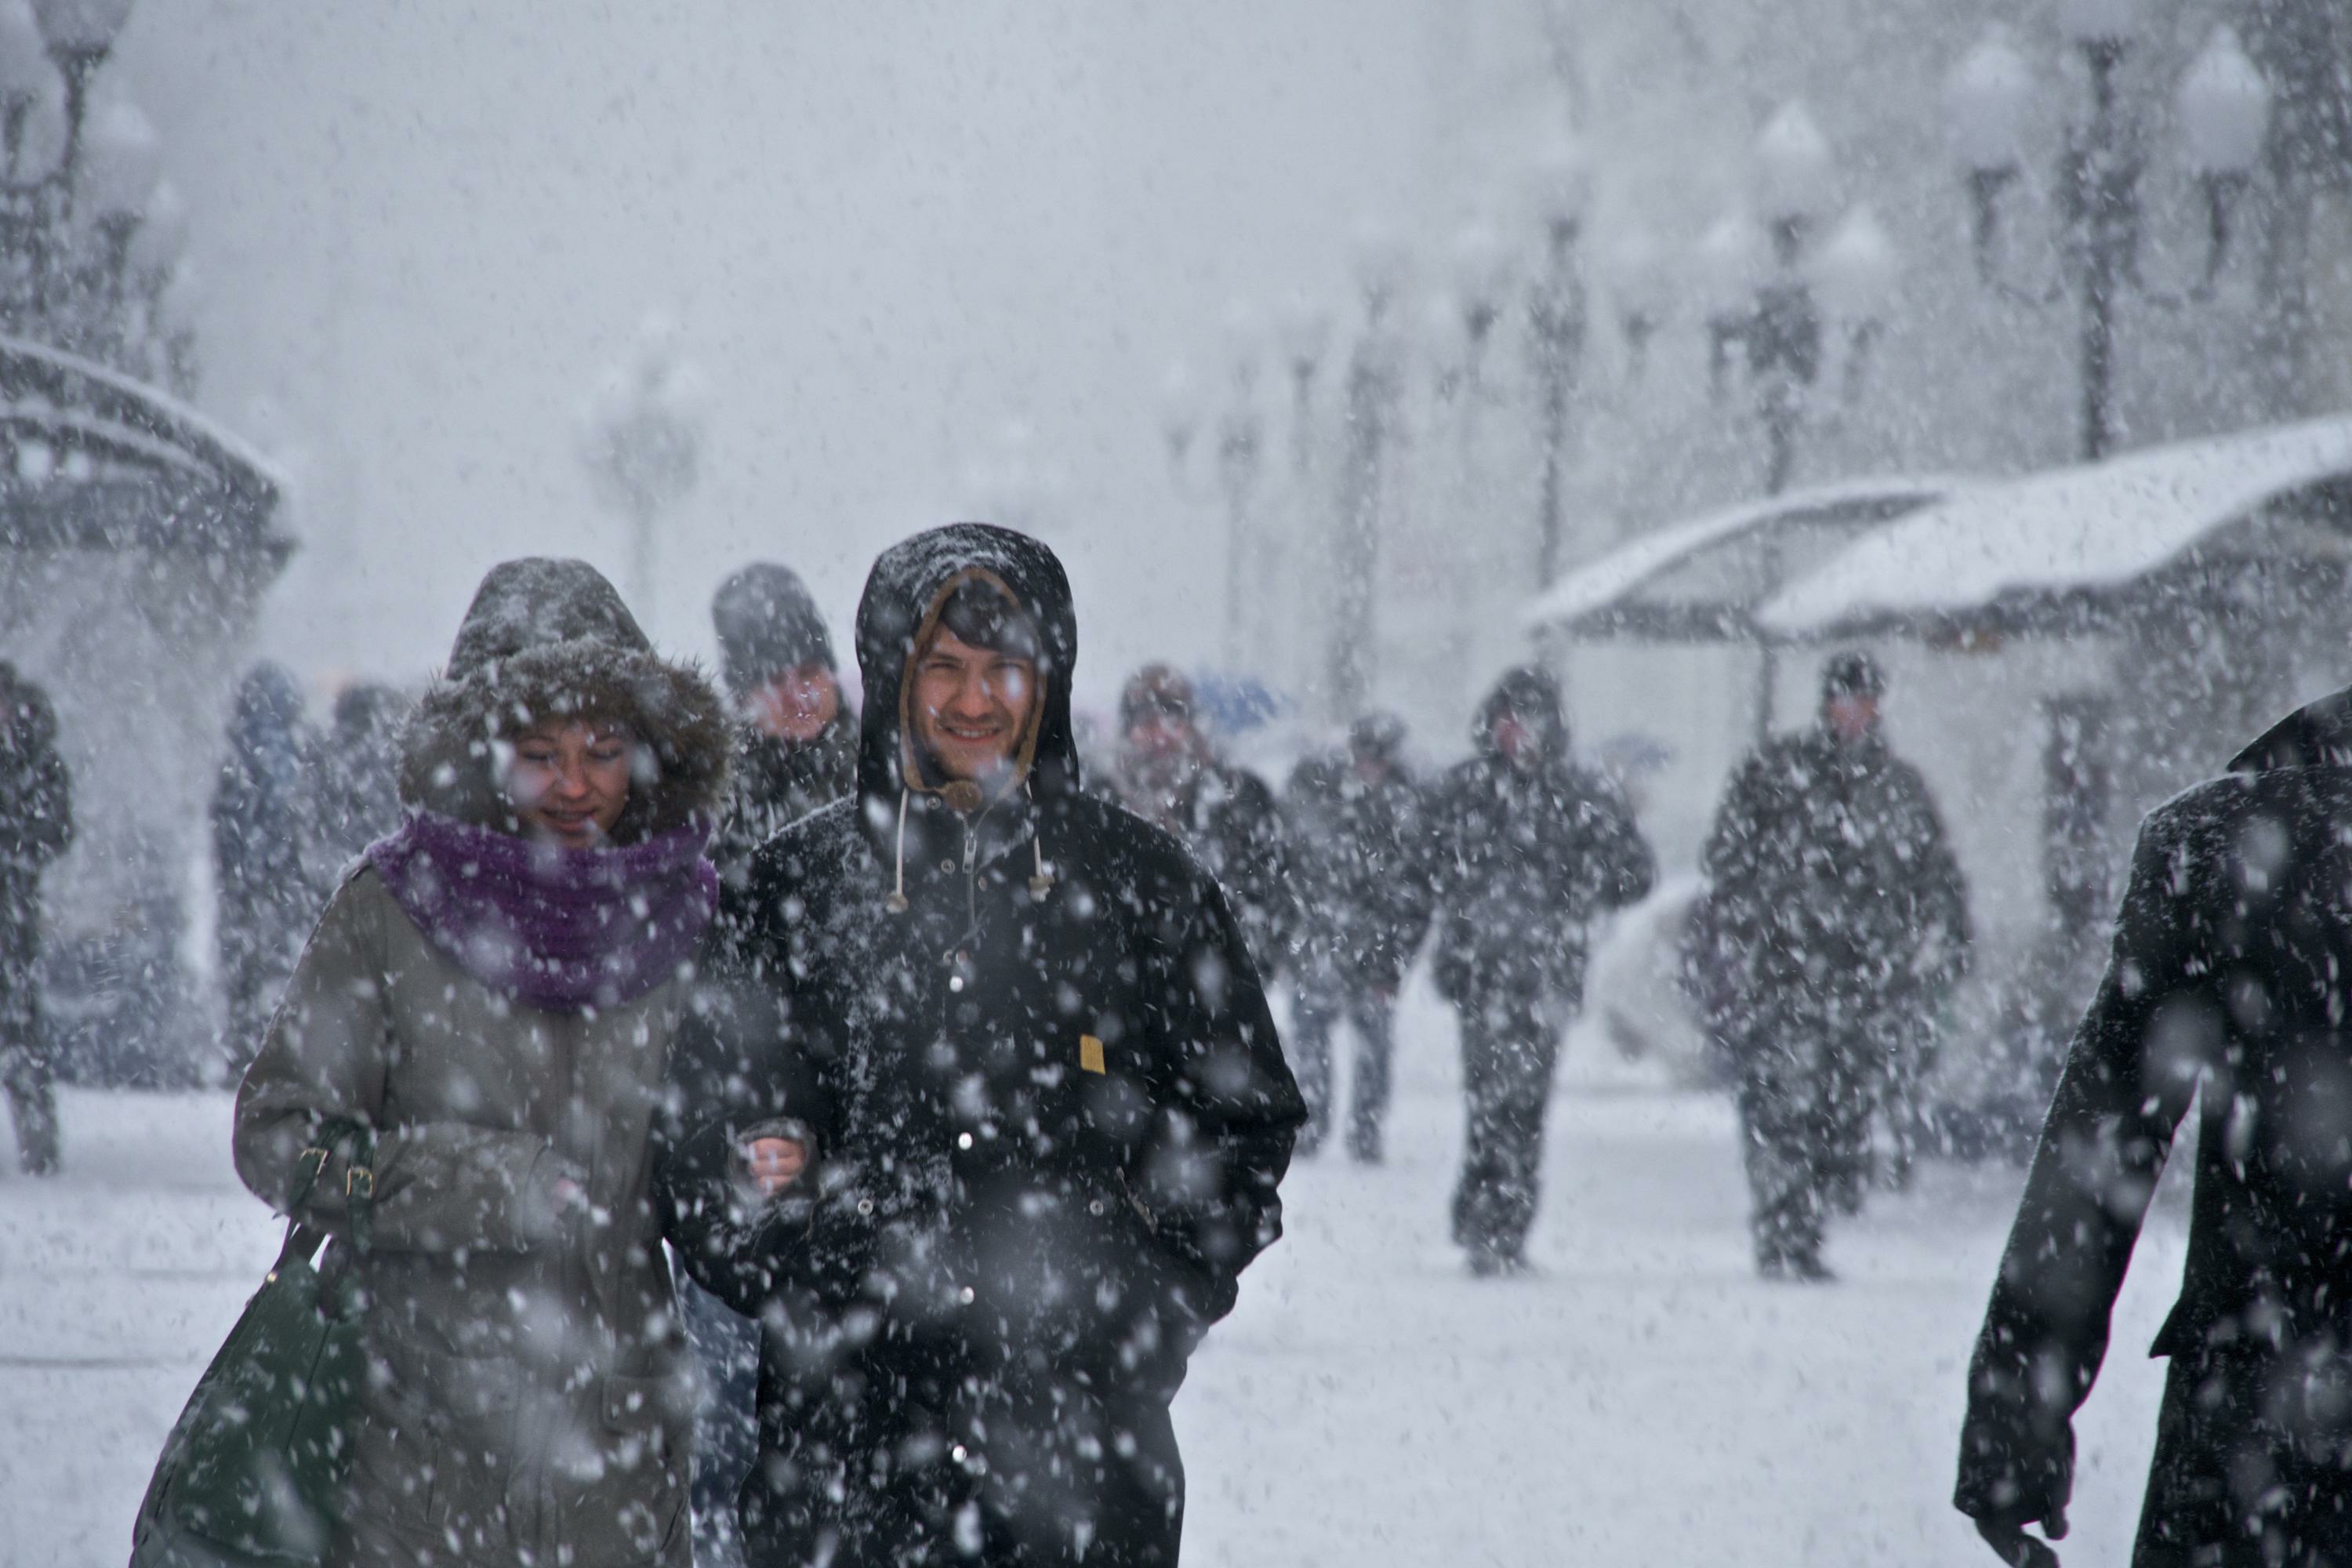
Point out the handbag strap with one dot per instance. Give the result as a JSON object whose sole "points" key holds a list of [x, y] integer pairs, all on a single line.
{"points": [[303, 1241]]}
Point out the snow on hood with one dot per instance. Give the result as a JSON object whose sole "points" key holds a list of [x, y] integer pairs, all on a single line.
{"points": [[2098, 525]]}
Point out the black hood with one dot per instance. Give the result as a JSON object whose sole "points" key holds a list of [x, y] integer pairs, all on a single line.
{"points": [[1530, 691], [767, 623], [904, 593], [2317, 735]]}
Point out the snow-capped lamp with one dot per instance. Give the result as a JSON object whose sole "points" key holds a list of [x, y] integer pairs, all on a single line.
{"points": [[1560, 184], [1636, 271], [1795, 180], [1856, 269], [1986, 102], [163, 232], [1481, 279], [121, 162], [79, 34], [2225, 109], [24, 71]]}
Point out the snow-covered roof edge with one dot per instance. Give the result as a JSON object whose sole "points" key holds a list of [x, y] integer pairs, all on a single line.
{"points": [[2086, 526], [172, 411], [1599, 582]]}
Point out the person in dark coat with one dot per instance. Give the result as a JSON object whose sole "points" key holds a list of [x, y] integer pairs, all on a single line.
{"points": [[1020, 1035], [796, 746], [263, 826], [795, 751], [359, 775], [1834, 925], [36, 826], [1169, 772], [2226, 987], [1356, 824], [1528, 850]]}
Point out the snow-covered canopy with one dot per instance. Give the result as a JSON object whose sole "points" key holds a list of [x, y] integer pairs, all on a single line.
{"points": [[1701, 580], [2059, 544]]}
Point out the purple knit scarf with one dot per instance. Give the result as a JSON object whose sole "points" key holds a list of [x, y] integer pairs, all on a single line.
{"points": [[559, 929]]}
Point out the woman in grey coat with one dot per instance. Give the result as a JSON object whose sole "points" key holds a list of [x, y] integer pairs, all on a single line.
{"points": [[492, 992]]}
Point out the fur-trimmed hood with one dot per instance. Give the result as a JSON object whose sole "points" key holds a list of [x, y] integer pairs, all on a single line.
{"points": [[551, 638]]}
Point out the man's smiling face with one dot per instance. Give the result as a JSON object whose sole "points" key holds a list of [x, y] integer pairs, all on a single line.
{"points": [[972, 705]]}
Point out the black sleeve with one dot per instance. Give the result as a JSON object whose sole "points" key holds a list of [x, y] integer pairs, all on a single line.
{"points": [[1225, 1108], [1940, 893], [2129, 1078], [1626, 868], [736, 1071]]}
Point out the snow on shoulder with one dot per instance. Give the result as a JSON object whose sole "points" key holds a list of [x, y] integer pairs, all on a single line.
{"points": [[2096, 526]]}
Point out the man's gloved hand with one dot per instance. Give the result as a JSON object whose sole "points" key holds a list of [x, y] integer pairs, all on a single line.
{"points": [[2006, 1535]]}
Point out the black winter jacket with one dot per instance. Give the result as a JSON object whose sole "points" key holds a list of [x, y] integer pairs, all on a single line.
{"points": [[1832, 895], [1362, 862], [2231, 975], [1050, 1113], [1525, 856]]}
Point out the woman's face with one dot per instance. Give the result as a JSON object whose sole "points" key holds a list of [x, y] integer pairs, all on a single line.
{"points": [[569, 781]]}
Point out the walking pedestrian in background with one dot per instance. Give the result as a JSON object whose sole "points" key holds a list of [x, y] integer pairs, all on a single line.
{"points": [[264, 819], [1359, 831], [1528, 850], [36, 826], [1834, 925]]}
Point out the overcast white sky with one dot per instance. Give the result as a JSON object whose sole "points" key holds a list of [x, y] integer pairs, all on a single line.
{"points": [[885, 230]]}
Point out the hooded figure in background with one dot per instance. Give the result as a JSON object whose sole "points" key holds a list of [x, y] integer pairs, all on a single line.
{"points": [[1834, 925], [264, 826], [796, 740], [2226, 991], [795, 750], [1357, 825], [1019, 1033], [492, 992], [1527, 849], [358, 783], [1169, 774], [36, 826]]}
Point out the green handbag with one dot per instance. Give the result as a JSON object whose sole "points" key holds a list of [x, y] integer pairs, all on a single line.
{"points": [[253, 1471]]}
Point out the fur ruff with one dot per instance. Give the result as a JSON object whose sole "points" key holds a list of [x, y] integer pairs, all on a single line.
{"points": [[449, 751]]}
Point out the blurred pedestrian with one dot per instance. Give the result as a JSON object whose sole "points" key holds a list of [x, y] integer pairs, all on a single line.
{"points": [[264, 820], [36, 826], [795, 751], [1529, 850], [491, 997], [797, 746], [1359, 830], [359, 792], [1022, 1034], [2225, 990], [1170, 773], [1834, 925]]}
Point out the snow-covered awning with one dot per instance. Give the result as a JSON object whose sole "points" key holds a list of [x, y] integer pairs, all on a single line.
{"points": [[95, 459], [1701, 581], [2067, 548]]}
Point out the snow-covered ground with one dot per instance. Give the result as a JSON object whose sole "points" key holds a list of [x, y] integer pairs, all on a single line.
{"points": [[1643, 1398]]}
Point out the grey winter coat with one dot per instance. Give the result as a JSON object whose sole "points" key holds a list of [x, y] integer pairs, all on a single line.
{"points": [[527, 1400]]}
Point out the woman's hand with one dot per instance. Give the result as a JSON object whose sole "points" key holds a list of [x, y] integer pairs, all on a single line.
{"points": [[774, 1164]]}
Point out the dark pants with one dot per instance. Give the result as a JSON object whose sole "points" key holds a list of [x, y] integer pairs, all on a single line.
{"points": [[2249, 1470], [1509, 1050], [27, 1075], [1325, 996], [726, 1434], [1805, 1103]]}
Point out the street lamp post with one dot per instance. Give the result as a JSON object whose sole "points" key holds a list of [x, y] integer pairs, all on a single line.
{"points": [[2224, 113], [1371, 398], [1556, 322], [644, 449]]}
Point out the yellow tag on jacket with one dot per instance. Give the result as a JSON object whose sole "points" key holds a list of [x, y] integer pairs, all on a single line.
{"points": [[1090, 1054]]}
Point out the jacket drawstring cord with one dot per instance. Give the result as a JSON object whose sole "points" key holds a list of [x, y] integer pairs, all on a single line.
{"points": [[1043, 882], [897, 902]]}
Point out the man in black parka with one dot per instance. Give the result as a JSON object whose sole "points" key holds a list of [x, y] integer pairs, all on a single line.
{"points": [[1362, 860], [1527, 849], [36, 826], [2228, 986], [1020, 1034], [1834, 925]]}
